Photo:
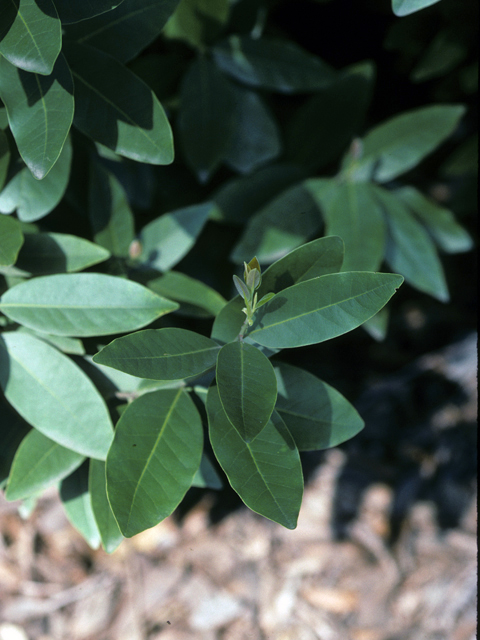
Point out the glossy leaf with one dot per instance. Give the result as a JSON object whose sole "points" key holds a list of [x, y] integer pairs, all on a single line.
{"points": [[266, 473], [206, 118], [440, 222], [247, 388], [282, 225], [33, 199], [255, 137], [153, 459], [322, 308], [116, 108], [110, 534], [206, 476], [127, 29], [44, 253], [4, 158], [109, 211], [410, 250], [195, 297], [76, 10], [274, 64], [351, 211], [317, 416], [83, 304], [13, 429], [399, 144], [40, 112], [197, 21], [30, 35], [11, 240], [77, 503], [38, 464], [54, 395], [166, 240], [160, 354], [405, 7]]}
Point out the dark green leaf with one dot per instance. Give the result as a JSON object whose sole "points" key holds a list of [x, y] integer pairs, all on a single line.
{"points": [[13, 429], [153, 459], [38, 464], [282, 225], [166, 240], [322, 308], [405, 7], [76, 10], [266, 473], [78, 505], [107, 525], [54, 395], [83, 304], [317, 416], [229, 321], [40, 112], [4, 158], [247, 388], [160, 354], [109, 211], [126, 30], [195, 297], [197, 21], [33, 199], [30, 34], [274, 64], [116, 108], [206, 119], [11, 240], [410, 250], [447, 49]]}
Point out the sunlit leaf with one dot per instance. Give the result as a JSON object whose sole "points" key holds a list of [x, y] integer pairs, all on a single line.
{"points": [[405, 7], [11, 240], [107, 525], [195, 297], [77, 503]]}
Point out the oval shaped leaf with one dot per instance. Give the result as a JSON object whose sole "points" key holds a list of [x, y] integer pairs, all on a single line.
{"points": [[30, 35], [195, 297], [114, 107], [322, 308], [38, 464], [54, 395], [317, 416], [160, 354], [267, 472], [110, 534], [153, 459], [247, 388], [77, 503], [11, 240], [83, 304], [269, 63]]}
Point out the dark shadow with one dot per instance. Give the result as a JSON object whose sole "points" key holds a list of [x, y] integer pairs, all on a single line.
{"points": [[76, 484], [4, 364], [13, 429], [8, 13], [36, 86], [41, 254]]}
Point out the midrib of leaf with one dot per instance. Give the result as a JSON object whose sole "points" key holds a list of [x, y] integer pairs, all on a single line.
{"points": [[113, 23], [174, 355], [19, 13], [149, 459], [46, 455], [45, 117]]}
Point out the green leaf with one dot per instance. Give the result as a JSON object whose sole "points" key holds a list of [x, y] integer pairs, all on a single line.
{"points": [[440, 222], [33, 199], [83, 304], [197, 21], [247, 388], [324, 126], [44, 253], [67, 345], [351, 211], [282, 225], [377, 325], [317, 416], [273, 64], [107, 525], [11, 240], [4, 158], [30, 34], [206, 118], [322, 308], [153, 459], [405, 7], [410, 250], [445, 52], [266, 473], [195, 297], [109, 211], [13, 429], [40, 112], [167, 239], [54, 395], [160, 354], [255, 136], [126, 30], [229, 321], [399, 144], [38, 464], [76, 10], [206, 476], [114, 107], [78, 505]]}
